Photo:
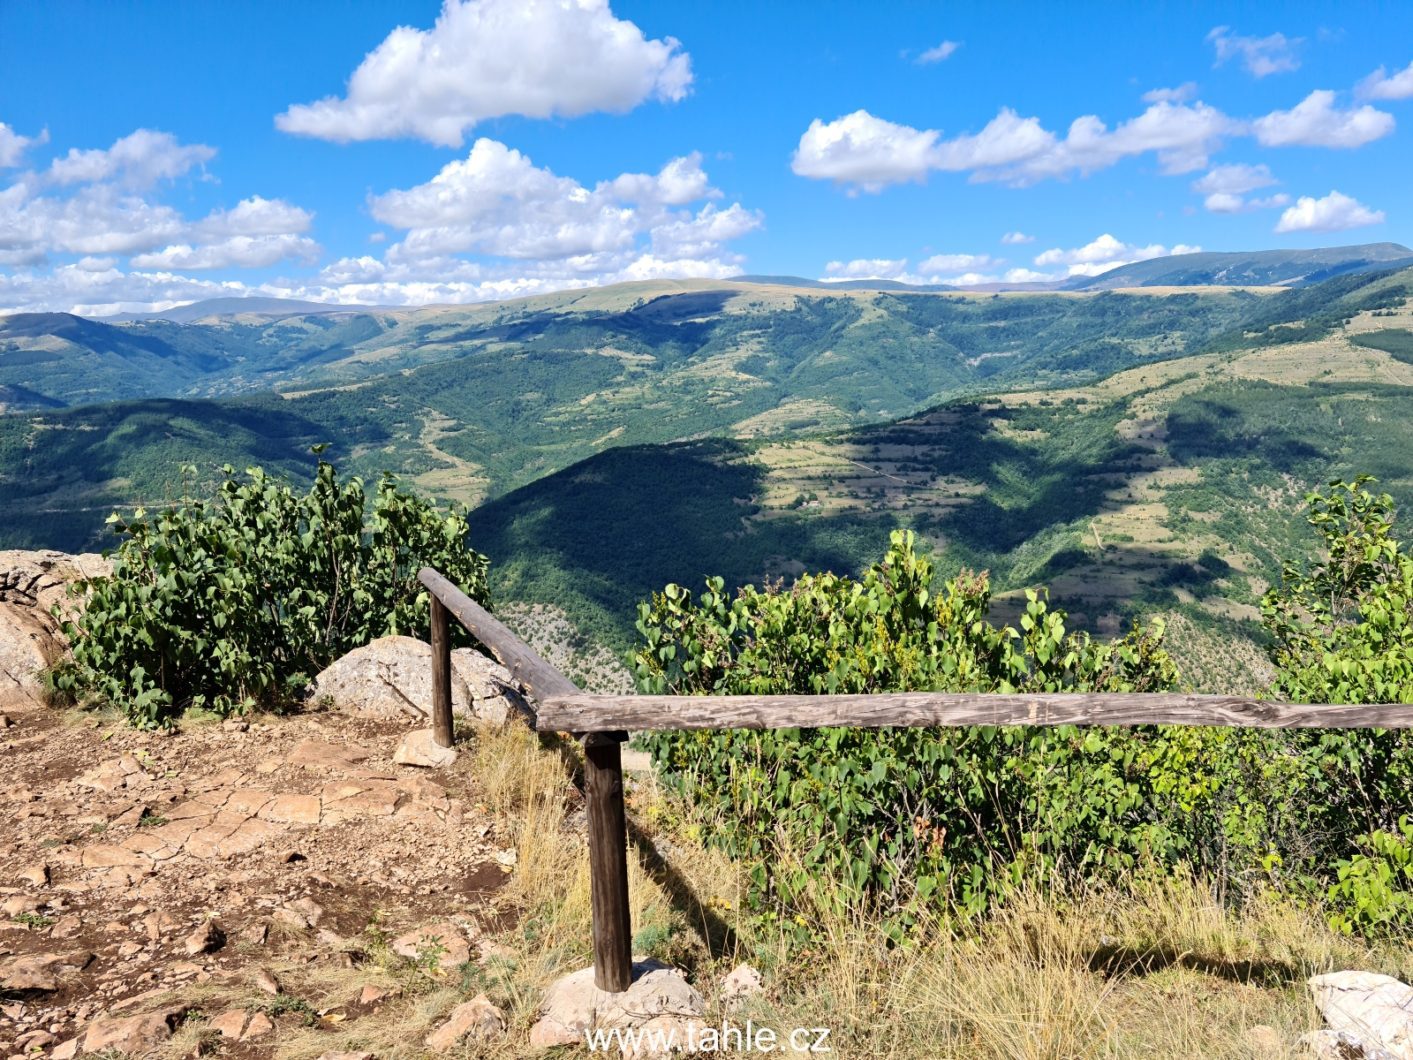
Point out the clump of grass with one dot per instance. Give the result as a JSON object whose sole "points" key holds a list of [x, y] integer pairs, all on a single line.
{"points": [[33, 921]]}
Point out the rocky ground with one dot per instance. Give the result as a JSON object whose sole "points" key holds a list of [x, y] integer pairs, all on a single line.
{"points": [[145, 876]]}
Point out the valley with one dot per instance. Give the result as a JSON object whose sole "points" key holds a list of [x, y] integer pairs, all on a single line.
{"points": [[1139, 450]]}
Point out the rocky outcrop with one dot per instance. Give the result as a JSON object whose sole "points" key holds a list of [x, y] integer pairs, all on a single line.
{"points": [[1365, 1011], [32, 584], [391, 677], [659, 999]]}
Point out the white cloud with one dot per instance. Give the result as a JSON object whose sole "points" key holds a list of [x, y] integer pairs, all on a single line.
{"points": [[13, 145], [1333, 213], [497, 202], [1261, 56], [1234, 179], [941, 53], [246, 252], [866, 269], [1178, 94], [1014, 238], [104, 202], [1316, 122], [859, 149], [1225, 188], [485, 59], [139, 160], [944, 263], [863, 151], [1380, 85], [959, 270], [1006, 139], [701, 237], [255, 216], [490, 226], [1105, 253]]}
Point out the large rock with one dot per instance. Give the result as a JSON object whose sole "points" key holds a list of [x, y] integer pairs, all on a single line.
{"points": [[420, 748], [41, 971], [477, 1017], [1375, 1010], [659, 997], [32, 584], [391, 677], [133, 1035]]}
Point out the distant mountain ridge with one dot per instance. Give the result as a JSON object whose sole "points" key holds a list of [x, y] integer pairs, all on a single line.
{"points": [[1258, 268], [252, 306], [1240, 268]]}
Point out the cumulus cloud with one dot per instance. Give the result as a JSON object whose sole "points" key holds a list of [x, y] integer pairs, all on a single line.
{"points": [[1261, 56], [103, 204], [941, 53], [497, 201], [489, 226], [869, 153], [485, 59], [1333, 213], [1378, 85], [246, 252], [13, 145], [138, 161], [959, 270], [957, 263], [1014, 238], [1106, 253], [1225, 188], [1317, 122], [866, 269]]}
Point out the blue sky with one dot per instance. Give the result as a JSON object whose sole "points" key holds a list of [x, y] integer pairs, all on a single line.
{"points": [[152, 154]]}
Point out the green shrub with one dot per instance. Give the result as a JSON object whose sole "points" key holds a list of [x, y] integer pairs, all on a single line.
{"points": [[907, 816], [1343, 628], [1373, 894], [244, 597]]}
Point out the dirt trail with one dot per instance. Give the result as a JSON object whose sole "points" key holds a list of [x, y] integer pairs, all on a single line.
{"points": [[142, 870]]}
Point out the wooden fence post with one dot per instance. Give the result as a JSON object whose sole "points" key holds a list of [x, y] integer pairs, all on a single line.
{"points": [[608, 861], [441, 676]]}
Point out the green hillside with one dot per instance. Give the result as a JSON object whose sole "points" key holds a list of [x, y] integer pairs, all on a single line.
{"points": [[1173, 488], [1144, 450], [472, 402]]}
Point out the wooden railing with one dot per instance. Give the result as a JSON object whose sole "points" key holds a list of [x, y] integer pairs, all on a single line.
{"points": [[603, 723]]}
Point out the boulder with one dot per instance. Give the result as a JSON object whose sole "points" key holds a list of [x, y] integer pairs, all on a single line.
{"points": [[132, 1036], [391, 677], [420, 748], [476, 1017], [444, 939], [658, 995], [32, 584], [1376, 1010], [40, 971]]}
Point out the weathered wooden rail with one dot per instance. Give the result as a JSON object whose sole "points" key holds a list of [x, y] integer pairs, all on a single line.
{"points": [[603, 722]]}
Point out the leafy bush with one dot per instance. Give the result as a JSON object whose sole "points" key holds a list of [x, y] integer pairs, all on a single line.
{"points": [[244, 597], [1374, 891], [903, 817], [1344, 628], [908, 815]]}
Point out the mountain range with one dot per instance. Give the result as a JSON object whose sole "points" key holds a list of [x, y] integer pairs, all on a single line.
{"points": [[1140, 446]]}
